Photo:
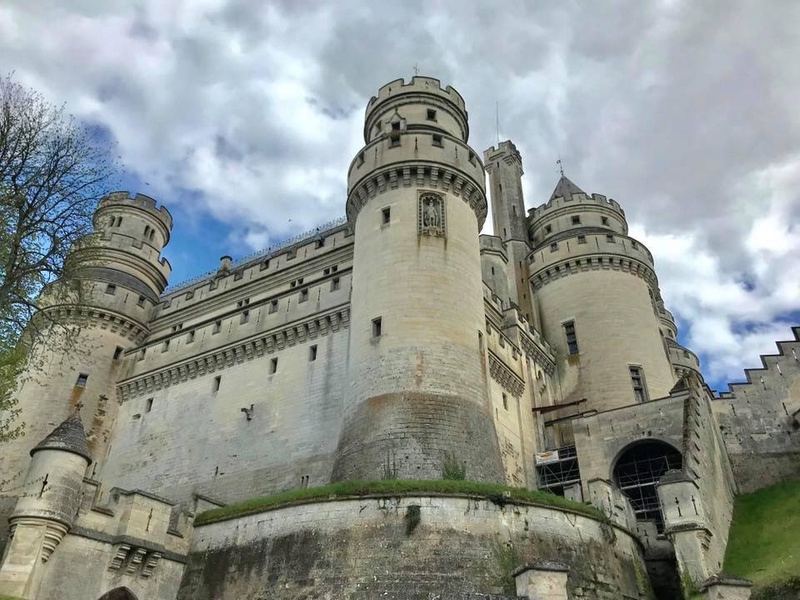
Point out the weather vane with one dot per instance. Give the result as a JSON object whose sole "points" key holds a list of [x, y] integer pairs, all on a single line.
{"points": [[416, 69], [560, 165]]}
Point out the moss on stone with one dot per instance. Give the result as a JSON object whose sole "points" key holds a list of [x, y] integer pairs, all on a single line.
{"points": [[499, 494]]}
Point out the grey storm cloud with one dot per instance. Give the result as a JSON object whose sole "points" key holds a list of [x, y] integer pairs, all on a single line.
{"points": [[683, 111]]}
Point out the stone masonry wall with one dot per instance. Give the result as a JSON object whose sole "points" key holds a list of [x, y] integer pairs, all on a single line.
{"points": [[760, 420], [406, 549], [191, 437]]}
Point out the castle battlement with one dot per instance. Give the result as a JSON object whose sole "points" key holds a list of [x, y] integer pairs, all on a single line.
{"points": [[570, 202], [505, 149], [146, 203], [422, 85]]}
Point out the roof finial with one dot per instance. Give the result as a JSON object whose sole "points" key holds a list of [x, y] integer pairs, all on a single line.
{"points": [[416, 69], [560, 165]]}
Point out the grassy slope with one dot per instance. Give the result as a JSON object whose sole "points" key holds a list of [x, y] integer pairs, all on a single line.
{"points": [[764, 543], [392, 487]]}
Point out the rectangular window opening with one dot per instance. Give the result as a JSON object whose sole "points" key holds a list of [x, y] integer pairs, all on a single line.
{"points": [[637, 381], [149, 406], [437, 140], [165, 347], [312, 353], [190, 337], [576, 220], [581, 239], [394, 141], [140, 301], [572, 339], [604, 220], [304, 295], [118, 352], [553, 246], [111, 289], [505, 401], [82, 379], [431, 115], [377, 327], [273, 366], [217, 327], [548, 228], [610, 238], [386, 215], [216, 383], [335, 284], [245, 316]]}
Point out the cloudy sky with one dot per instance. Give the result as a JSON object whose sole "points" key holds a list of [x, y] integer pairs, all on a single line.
{"points": [[242, 117]]}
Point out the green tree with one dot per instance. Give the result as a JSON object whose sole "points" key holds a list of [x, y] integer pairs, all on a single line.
{"points": [[53, 171]]}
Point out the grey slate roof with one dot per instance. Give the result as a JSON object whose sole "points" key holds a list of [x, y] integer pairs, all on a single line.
{"points": [[565, 188], [70, 436]]}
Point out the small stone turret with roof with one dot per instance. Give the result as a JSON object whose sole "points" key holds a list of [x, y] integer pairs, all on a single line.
{"points": [[46, 509]]}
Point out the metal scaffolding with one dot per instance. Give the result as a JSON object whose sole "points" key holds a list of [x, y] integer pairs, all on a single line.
{"points": [[637, 472], [554, 474]]}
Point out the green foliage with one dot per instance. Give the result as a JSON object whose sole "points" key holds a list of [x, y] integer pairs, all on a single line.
{"points": [[689, 589], [12, 361], [506, 559], [764, 539], [389, 467], [452, 469], [393, 488], [52, 173], [788, 589]]}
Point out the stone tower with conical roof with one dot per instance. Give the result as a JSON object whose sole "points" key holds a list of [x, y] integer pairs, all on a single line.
{"points": [[598, 300], [46, 507]]}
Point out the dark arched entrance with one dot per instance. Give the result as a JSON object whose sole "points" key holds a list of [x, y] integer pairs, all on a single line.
{"points": [[118, 594], [637, 471]]}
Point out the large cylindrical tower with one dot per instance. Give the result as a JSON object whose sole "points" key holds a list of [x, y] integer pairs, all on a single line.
{"points": [[416, 200], [120, 274], [597, 296]]}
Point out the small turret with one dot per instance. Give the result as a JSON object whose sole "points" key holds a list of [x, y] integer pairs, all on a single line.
{"points": [[47, 507]]}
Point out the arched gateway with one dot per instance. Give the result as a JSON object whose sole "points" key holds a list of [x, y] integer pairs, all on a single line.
{"points": [[637, 472]]}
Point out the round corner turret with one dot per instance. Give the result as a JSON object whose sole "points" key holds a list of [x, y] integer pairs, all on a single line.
{"points": [[54, 480]]}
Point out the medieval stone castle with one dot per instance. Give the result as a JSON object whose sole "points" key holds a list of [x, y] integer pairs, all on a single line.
{"points": [[387, 345]]}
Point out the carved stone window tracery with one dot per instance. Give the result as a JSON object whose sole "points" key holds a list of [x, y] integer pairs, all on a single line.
{"points": [[431, 214]]}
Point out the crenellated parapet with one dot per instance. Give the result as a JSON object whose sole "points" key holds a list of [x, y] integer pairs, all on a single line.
{"points": [[506, 152], [587, 252], [565, 215], [760, 419], [414, 100], [124, 200]]}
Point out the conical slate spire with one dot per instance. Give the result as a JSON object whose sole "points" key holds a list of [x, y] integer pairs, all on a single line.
{"points": [[565, 188], [69, 437]]}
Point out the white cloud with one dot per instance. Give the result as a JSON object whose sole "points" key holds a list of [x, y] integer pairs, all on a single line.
{"points": [[684, 112]]}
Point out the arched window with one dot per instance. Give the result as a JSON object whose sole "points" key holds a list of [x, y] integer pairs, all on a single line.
{"points": [[121, 593], [637, 471]]}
